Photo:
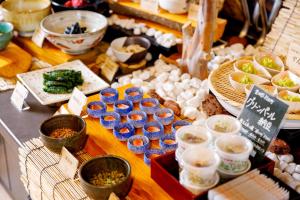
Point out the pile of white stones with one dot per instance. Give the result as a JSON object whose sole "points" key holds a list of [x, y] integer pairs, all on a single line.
{"points": [[166, 40], [286, 170], [189, 92]]}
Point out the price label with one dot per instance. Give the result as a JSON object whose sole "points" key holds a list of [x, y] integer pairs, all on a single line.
{"points": [[293, 58], [193, 11], [18, 97], [76, 102], [150, 5], [68, 163], [261, 120], [38, 37]]}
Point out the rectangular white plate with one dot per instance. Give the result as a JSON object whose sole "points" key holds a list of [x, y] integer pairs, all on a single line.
{"points": [[34, 82]]}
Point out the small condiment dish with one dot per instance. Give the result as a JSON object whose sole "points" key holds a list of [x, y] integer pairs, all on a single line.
{"points": [[96, 108], [123, 107], [164, 116], [109, 95], [138, 144], [123, 131], [234, 151], [134, 94], [110, 119], [286, 81], [168, 142], [290, 98], [153, 130], [178, 124], [137, 118], [152, 153], [219, 125], [149, 105], [267, 60]]}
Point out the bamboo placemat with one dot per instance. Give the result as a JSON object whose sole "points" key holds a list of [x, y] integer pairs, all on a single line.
{"points": [[285, 29], [41, 176]]}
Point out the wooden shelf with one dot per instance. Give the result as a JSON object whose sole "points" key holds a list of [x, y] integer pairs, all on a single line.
{"points": [[164, 18]]}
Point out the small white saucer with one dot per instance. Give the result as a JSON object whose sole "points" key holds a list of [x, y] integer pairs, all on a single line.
{"points": [[230, 175]]}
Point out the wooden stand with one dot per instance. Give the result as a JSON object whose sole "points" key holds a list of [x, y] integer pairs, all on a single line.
{"points": [[53, 55]]}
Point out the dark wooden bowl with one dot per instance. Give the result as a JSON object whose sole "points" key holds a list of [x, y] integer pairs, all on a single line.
{"points": [[142, 41], [107, 163], [74, 143]]}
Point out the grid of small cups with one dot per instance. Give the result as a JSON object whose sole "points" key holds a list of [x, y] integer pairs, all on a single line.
{"points": [[131, 124]]}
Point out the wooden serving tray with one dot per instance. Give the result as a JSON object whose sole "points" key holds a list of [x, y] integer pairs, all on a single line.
{"points": [[102, 141], [165, 171], [220, 86], [53, 55], [173, 21]]}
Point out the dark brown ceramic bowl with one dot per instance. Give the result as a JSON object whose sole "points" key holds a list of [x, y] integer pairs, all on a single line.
{"points": [[74, 143], [107, 163]]}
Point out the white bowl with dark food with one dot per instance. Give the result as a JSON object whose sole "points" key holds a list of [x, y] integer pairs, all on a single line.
{"points": [[74, 31]]}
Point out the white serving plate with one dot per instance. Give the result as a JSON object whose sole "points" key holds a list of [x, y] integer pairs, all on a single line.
{"points": [[33, 81], [287, 124]]}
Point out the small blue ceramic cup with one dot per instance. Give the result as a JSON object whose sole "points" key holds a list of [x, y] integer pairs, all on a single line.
{"points": [[110, 119], [149, 105], [153, 134], [123, 131], [123, 107], [137, 118], [164, 116], [168, 142], [134, 94], [138, 148], [96, 108], [6, 34], [151, 152], [109, 95], [176, 125]]}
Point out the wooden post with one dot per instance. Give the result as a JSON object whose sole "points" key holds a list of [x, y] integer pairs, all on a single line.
{"points": [[196, 48]]}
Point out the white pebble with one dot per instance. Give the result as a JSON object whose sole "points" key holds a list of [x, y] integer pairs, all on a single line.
{"points": [[202, 93], [282, 165], [296, 176], [174, 78], [124, 80], [286, 158], [237, 47], [297, 169], [115, 85], [178, 40], [144, 29], [204, 84], [145, 75], [136, 82], [150, 32], [186, 84], [136, 73], [290, 168], [175, 72], [249, 50], [137, 31], [148, 56], [194, 102], [185, 76], [272, 156], [160, 92], [168, 86], [190, 112], [186, 95], [162, 77], [195, 82], [145, 89], [157, 34]]}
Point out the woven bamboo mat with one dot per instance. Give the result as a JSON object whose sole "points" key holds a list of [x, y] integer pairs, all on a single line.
{"points": [[285, 29], [220, 86], [42, 178]]}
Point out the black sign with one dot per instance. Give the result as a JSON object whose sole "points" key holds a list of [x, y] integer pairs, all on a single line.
{"points": [[261, 119]]}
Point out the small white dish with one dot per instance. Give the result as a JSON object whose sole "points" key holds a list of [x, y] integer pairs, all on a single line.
{"points": [[230, 175], [233, 125], [236, 80], [257, 60], [294, 106], [254, 69], [289, 76], [191, 135], [174, 6], [196, 189]]}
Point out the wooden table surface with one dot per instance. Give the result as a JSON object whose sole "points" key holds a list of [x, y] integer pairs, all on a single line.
{"points": [[102, 141]]}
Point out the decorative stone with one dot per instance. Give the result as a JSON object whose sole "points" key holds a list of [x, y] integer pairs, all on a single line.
{"points": [[186, 95], [115, 85], [190, 112], [290, 168], [162, 77], [150, 32], [297, 169], [137, 31], [282, 165], [168, 86], [296, 176], [160, 92], [145, 75], [148, 56], [286, 158], [195, 82], [137, 73], [137, 82], [157, 34], [185, 76], [174, 78], [194, 102]]}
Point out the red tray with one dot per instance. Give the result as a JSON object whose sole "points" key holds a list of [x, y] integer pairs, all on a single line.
{"points": [[164, 171]]}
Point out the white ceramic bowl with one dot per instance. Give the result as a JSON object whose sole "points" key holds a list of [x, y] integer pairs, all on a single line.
{"points": [[230, 161], [276, 59], [174, 6], [197, 131], [294, 106], [290, 75], [54, 26], [233, 123], [25, 15], [194, 157]]}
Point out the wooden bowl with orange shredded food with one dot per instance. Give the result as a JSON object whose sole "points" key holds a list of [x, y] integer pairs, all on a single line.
{"points": [[64, 130]]}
